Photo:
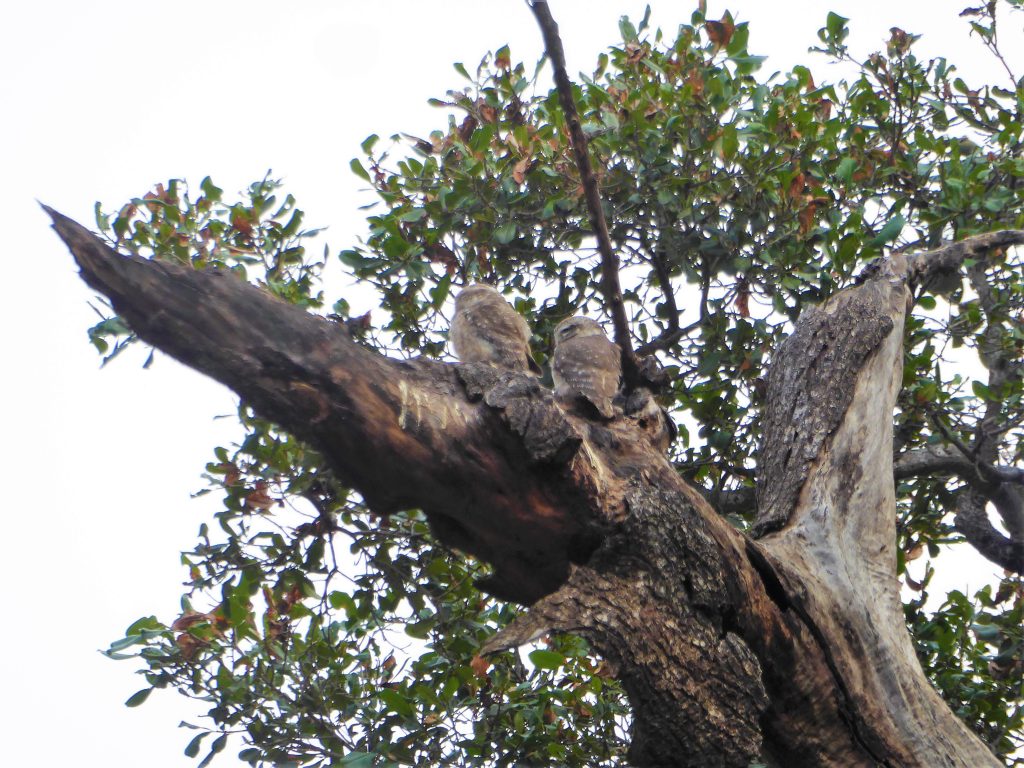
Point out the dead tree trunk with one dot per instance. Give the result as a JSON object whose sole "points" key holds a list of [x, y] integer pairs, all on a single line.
{"points": [[791, 647]]}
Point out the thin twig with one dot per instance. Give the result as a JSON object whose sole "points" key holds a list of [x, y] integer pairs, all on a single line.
{"points": [[672, 333], [667, 338], [987, 471], [610, 287], [993, 45]]}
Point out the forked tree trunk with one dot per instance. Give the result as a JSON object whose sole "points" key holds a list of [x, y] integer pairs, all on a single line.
{"points": [[791, 647]]}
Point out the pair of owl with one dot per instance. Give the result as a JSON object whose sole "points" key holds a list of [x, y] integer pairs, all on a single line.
{"points": [[585, 364]]}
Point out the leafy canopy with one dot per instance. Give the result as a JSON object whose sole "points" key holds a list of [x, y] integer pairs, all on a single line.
{"points": [[322, 635]]}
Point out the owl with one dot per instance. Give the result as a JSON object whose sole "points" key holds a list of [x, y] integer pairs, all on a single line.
{"points": [[486, 329], [586, 364]]}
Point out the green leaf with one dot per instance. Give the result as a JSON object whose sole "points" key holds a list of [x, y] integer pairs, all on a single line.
{"points": [[645, 22], [358, 170], [836, 26], [845, 170], [421, 629], [746, 65], [738, 42], [216, 747], [344, 601], [730, 142], [354, 259], [545, 659], [627, 30], [369, 142], [146, 622], [439, 293], [505, 234], [986, 632], [396, 702], [193, 746], [138, 697], [357, 760], [889, 232], [210, 190], [416, 214]]}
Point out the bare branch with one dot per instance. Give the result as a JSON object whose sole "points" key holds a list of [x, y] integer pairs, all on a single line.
{"points": [[665, 340], [972, 522], [670, 336], [672, 332], [610, 287], [950, 257], [977, 468], [402, 433], [933, 460]]}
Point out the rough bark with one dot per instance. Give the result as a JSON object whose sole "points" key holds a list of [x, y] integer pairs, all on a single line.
{"points": [[403, 433], [791, 648], [837, 549]]}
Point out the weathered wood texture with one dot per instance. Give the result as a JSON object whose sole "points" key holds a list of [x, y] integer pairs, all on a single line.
{"points": [[402, 433], [791, 648], [837, 550]]}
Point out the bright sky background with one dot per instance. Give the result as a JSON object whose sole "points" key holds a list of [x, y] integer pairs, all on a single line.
{"points": [[100, 101]]}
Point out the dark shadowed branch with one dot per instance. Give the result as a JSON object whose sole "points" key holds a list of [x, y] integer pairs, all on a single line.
{"points": [[972, 522], [975, 467], [610, 287], [402, 433]]}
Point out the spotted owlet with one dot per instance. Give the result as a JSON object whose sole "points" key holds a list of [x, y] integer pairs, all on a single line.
{"points": [[486, 329], [586, 364]]}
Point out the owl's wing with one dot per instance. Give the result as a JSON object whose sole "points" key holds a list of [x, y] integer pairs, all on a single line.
{"points": [[590, 367], [497, 334], [526, 334]]}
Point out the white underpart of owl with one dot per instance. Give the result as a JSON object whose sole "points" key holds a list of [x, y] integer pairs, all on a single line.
{"points": [[586, 364], [486, 329]]}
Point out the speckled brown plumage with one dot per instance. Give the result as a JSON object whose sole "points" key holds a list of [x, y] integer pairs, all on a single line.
{"points": [[486, 329], [586, 365]]}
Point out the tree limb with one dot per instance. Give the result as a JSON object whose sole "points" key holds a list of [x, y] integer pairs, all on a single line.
{"points": [[932, 460], [1001, 369], [610, 287], [827, 506], [979, 469], [972, 522], [669, 337], [402, 433], [950, 257], [728, 648]]}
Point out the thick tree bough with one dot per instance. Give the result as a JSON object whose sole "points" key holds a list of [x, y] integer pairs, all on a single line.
{"points": [[791, 648]]}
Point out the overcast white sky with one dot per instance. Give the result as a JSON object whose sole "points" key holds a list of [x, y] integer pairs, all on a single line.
{"points": [[100, 100]]}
